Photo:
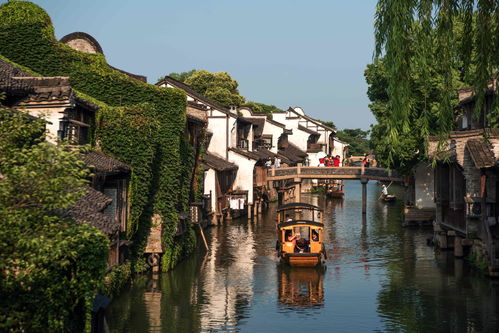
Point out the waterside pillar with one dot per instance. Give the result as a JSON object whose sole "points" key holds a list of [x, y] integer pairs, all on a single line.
{"points": [[458, 247], [250, 210], [297, 189], [364, 182]]}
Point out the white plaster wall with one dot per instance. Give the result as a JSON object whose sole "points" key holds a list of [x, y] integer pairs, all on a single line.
{"points": [[210, 185], [275, 131], [280, 118], [244, 177], [299, 138], [424, 186], [339, 149], [218, 141], [245, 112], [52, 116]]}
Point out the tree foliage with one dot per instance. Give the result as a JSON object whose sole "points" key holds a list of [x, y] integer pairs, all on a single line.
{"points": [[262, 108], [49, 267], [357, 140], [140, 124], [418, 39], [219, 87], [328, 123], [182, 76]]}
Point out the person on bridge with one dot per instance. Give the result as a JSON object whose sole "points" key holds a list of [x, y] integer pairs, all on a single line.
{"points": [[329, 161], [366, 161], [337, 161]]}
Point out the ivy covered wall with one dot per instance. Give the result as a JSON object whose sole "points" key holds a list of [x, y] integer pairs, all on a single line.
{"points": [[138, 123]]}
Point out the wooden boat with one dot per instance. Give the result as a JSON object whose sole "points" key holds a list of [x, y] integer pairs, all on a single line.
{"points": [[299, 210], [388, 198], [299, 235], [300, 243], [335, 190]]}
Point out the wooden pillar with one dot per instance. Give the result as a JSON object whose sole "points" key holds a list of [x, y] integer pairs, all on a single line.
{"points": [[250, 210], [458, 247], [297, 189], [364, 182]]}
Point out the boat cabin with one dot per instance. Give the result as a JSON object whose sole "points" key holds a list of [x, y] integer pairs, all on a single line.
{"points": [[299, 211], [300, 242]]}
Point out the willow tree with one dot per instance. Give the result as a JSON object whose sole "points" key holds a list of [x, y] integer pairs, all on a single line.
{"points": [[417, 35]]}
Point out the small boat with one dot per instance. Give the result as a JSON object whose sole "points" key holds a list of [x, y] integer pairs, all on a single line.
{"points": [[299, 210], [335, 190], [388, 198], [300, 241]]}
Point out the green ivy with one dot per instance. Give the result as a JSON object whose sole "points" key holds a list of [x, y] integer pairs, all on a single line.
{"points": [[138, 123], [115, 280]]}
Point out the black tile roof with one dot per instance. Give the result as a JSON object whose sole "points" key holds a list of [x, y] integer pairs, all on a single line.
{"points": [[293, 153], [307, 130], [258, 124], [218, 163], [103, 164], [257, 155], [481, 153], [193, 93], [8, 81], [88, 209]]}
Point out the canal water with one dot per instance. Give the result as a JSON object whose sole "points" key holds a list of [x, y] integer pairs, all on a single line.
{"points": [[380, 277]]}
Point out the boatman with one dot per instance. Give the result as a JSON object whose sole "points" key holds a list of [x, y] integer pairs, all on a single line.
{"points": [[384, 190]]}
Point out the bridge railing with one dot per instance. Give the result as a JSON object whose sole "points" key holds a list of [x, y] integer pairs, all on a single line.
{"points": [[316, 172]]}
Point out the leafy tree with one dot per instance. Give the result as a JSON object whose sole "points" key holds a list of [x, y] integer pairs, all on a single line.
{"points": [[328, 123], [356, 138], [424, 115], [182, 76], [426, 41], [262, 108], [220, 87], [50, 267]]}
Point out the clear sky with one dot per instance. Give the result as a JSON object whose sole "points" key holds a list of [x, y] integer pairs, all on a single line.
{"points": [[308, 53]]}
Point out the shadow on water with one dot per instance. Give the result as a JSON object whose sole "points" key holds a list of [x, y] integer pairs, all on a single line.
{"points": [[380, 277]]}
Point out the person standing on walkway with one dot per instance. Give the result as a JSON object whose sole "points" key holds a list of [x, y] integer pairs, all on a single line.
{"points": [[277, 162]]}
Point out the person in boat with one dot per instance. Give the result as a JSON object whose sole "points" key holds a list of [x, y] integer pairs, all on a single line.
{"points": [[288, 218], [315, 236], [301, 245], [384, 190], [292, 238]]}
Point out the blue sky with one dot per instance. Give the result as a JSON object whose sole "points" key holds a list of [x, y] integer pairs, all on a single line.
{"points": [[284, 52]]}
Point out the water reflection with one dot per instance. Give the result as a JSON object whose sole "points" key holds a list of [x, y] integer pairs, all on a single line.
{"points": [[380, 277], [300, 287], [227, 278]]}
